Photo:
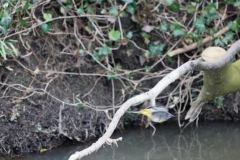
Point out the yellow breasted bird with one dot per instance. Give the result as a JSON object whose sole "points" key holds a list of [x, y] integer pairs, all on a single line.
{"points": [[156, 114]]}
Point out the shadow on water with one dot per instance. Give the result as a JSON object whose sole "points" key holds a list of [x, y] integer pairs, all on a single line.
{"points": [[210, 141]]}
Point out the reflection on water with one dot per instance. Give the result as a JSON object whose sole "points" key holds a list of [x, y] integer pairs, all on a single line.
{"points": [[210, 141]]}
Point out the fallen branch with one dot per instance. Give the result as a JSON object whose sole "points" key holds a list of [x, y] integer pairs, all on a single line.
{"points": [[150, 95], [153, 93], [195, 45]]}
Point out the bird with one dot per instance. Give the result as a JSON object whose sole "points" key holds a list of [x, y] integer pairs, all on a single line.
{"points": [[155, 114]]}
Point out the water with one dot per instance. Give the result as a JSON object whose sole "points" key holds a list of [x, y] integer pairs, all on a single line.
{"points": [[210, 141]]}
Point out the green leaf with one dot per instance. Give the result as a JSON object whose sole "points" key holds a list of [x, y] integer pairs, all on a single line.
{"points": [[229, 1], [81, 52], [3, 51], [128, 1], [211, 8], [170, 59], [175, 26], [178, 32], [212, 31], [199, 24], [105, 50], [238, 20], [234, 26], [155, 49], [211, 17], [13, 49], [103, 11], [99, 1], [62, 10], [228, 37], [129, 35], [118, 66], [97, 57], [80, 106], [131, 7], [237, 4], [190, 9], [175, 7], [163, 27], [6, 20], [39, 127], [90, 10], [199, 42], [114, 11], [80, 10], [22, 22], [45, 28], [114, 35], [195, 36], [47, 16], [111, 76], [169, 2], [90, 26], [148, 68], [218, 42]]}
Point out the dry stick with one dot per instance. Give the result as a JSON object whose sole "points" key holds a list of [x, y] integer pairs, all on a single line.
{"points": [[195, 45]]}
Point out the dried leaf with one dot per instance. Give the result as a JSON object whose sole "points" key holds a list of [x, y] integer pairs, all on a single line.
{"points": [[148, 28], [112, 19]]}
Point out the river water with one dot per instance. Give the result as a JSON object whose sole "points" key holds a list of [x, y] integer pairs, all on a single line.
{"points": [[208, 141]]}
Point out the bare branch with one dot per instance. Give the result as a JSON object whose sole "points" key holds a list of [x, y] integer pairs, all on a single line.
{"points": [[154, 92]]}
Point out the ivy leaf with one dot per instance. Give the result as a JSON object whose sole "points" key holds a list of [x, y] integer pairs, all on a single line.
{"points": [[175, 26], [22, 22], [114, 11], [45, 28], [175, 7], [170, 59], [131, 7], [169, 2], [211, 17], [155, 49], [190, 9], [104, 50], [128, 1], [111, 76], [218, 42], [237, 4], [163, 27], [81, 52], [80, 10], [6, 20], [211, 8], [199, 24], [98, 57], [233, 26], [212, 31], [228, 37], [114, 35], [178, 32], [47, 16], [195, 36], [229, 1], [129, 35], [90, 10]]}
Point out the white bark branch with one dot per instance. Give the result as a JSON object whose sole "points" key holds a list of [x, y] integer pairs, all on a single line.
{"points": [[154, 92], [150, 95]]}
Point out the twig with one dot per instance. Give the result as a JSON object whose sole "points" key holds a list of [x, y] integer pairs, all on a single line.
{"points": [[195, 45]]}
